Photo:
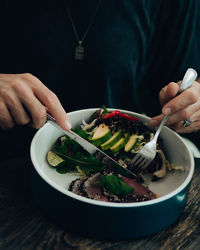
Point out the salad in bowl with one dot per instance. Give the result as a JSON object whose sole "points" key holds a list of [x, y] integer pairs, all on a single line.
{"points": [[120, 136], [87, 196]]}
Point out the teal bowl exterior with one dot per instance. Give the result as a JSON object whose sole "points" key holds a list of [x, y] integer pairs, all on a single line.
{"points": [[102, 222]]}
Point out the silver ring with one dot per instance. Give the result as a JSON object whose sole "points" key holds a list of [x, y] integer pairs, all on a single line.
{"points": [[187, 122]]}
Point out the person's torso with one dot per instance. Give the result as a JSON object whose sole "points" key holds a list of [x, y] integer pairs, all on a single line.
{"points": [[131, 50]]}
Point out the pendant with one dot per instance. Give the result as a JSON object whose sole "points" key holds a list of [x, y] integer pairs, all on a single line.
{"points": [[79, 52]]}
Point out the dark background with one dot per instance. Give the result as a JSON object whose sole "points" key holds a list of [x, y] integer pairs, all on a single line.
{"points": [[133, 49]]}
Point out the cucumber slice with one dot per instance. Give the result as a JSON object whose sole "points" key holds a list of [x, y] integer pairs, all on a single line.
{"points": [[114, 139], [120, 144], [101, 135], [131, 142], [54, 160]]}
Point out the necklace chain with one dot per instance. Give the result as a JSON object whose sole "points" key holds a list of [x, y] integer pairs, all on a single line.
{"points": [[79, 50]]}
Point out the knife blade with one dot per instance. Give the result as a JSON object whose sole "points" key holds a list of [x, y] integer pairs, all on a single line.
{"points": [[93, 150]]}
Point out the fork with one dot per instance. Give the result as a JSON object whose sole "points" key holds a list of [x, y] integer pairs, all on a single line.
{"points": [[145, 156]]}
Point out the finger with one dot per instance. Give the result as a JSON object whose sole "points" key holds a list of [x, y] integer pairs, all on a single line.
{"points": [[168, 92], [177, 123], [178, 127], [35, 96], [53, 105], [191, 111], [6, 120], [36, 109], [155, 121], [31, 105], [58, 112], [49, 100], [193, 116], [194, 127], [16, 109], [180, 102]]}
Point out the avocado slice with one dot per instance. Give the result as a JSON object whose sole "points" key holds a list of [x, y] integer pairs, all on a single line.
{"points": [[108, 144], [131, 142], [101, 135], [120, 144], [54, 160]]}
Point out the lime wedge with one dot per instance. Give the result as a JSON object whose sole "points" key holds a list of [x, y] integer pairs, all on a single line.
{"points": [[54, 160]]}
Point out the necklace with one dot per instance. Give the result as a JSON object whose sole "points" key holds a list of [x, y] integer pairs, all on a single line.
{"points": [[79, 49]]}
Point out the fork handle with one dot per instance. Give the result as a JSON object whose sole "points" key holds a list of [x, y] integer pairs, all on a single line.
{"points": [[165, 118], [189, 77]]}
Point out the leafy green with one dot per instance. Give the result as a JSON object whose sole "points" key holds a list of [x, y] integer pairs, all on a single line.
{"points": [[61, 147], [81, 132], [115, 185], [69, 147], [78, 161], [75, 155], [91, 169], [147, 136], [94, 115], [105, 111], [64, 169], [87, 165]]}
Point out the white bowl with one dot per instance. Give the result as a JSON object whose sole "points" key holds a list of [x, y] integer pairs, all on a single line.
{"points": [[50, 190]]}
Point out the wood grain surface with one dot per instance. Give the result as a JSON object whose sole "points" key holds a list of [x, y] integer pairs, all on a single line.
{"points": [[24, 226]]}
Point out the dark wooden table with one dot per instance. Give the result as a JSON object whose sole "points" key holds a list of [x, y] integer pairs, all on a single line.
{"points": [[24, 226]]}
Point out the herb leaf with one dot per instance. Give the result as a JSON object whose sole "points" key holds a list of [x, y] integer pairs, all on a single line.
{"points": [[105, 109], [75, 155], [115, 185]]}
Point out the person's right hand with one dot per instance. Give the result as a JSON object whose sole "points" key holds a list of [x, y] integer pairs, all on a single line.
{"points": [[25, 99]]}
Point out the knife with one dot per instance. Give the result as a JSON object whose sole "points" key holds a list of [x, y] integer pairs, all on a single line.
{"points": [[93, 150]]}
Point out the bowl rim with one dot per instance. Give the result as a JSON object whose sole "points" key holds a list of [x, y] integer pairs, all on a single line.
{"points": [[104, 203]]}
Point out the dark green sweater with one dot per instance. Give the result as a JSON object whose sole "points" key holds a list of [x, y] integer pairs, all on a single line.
{"points": [[133, 49]]}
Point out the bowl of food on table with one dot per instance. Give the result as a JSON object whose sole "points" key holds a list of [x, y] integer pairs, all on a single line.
{"points": [[87, 195]]}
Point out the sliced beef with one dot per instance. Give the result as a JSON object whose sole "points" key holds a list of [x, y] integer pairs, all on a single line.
{"points": [[139, 189], [75, 186], [92, 189], [89, 187]]}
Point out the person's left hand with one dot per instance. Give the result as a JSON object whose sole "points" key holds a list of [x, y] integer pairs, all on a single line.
{"points": [[181, 107]]}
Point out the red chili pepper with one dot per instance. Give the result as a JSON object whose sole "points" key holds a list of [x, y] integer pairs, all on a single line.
{"points": [[133, 119], [114, 113], [117, 112]]}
